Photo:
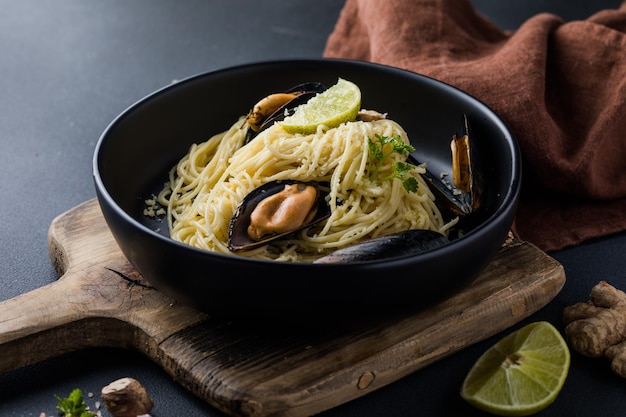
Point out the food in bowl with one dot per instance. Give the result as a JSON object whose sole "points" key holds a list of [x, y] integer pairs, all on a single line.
{"points": [[137, 150], [307, 172]]}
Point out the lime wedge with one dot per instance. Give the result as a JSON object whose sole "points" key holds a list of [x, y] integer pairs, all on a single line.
{"points": [[338, 104], [521, 374]]}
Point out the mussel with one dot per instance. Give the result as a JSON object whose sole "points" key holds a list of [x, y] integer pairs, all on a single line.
{"points": [[276, 210], [408, 242], [277, 106], [462, 195]]}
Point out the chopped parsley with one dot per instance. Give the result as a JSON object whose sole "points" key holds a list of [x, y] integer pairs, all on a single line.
{"points": [[382, 148]]}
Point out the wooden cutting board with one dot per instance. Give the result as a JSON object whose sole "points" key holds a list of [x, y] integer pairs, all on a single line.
{"points": [[254, 368]]}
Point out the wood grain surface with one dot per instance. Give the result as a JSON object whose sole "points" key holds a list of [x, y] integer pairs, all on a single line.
{"points": [[254, 368]]}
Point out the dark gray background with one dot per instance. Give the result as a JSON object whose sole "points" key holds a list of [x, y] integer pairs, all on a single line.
{"points": [[68, 67]]}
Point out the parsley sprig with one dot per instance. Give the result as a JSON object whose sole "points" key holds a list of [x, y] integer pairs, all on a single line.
{"points": [[74, 405], [382, 148]]}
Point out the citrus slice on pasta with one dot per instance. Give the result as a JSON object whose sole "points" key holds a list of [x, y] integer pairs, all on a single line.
{"points": [[338, 104]]}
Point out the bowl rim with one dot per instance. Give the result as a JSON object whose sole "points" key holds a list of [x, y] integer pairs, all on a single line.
{"points": [[509, 200]]}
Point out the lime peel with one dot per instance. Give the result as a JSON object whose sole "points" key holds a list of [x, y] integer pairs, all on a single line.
{"points": [[338, 104], [521, 374]]}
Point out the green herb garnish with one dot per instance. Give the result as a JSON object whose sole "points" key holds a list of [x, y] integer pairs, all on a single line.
{"points": [[74, 405], [383, 147]]}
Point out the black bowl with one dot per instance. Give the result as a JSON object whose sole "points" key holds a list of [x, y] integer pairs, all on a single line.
{"points": [[137, 149]]}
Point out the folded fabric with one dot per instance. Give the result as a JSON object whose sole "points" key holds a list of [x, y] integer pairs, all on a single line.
{"points": [[560, 86]]}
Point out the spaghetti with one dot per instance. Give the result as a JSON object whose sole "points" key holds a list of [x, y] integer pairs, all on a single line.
{"points": [[211, 180]]}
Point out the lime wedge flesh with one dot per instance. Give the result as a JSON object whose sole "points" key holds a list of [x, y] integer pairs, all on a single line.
{"points": [[338, 104], [521, 374]]}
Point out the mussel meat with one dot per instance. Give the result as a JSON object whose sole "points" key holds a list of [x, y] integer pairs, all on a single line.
{"points": [[408, 242], [276, 107], [275, 210]]}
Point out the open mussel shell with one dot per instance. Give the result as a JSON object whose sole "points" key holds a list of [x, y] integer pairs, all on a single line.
{"points": [[300, 94], [406, 243], [459, 193], [238, 237], [466, 167]]}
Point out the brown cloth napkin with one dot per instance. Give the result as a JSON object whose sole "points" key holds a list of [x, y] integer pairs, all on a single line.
{"points": [[560, 86]]}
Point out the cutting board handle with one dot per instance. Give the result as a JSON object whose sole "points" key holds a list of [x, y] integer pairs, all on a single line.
{"points": [[99, 299], [36, 322]]}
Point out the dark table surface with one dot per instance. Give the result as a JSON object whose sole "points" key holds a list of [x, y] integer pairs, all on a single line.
{"points": [[68, 67]]}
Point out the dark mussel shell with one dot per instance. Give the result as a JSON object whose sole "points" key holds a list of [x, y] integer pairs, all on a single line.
{"points": [[302, 94], [453, 198], [311, 87], [238, 238], [406, 243]]}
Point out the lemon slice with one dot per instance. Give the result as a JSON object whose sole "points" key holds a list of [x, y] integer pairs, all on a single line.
{"points": [[338, 104], [521, 374]]}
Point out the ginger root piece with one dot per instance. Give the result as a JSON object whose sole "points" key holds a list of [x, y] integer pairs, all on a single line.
{"points": [[126, 397], [598, 327]]}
